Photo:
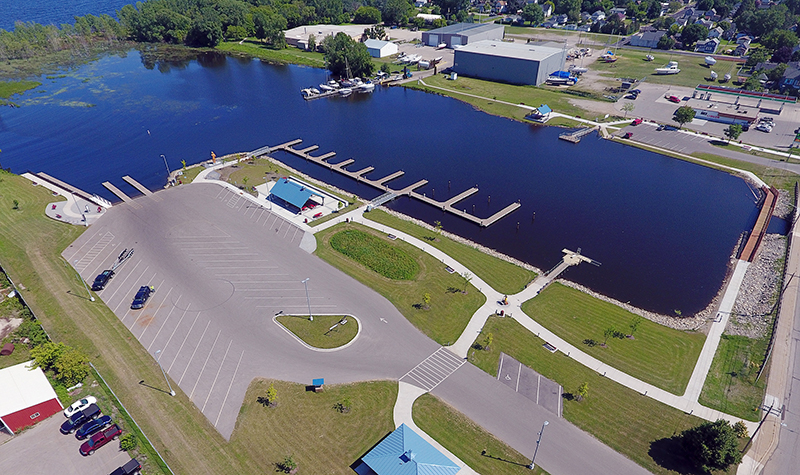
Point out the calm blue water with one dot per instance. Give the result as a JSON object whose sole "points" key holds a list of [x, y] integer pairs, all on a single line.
{"points": [[49, 12], [663, 229]]}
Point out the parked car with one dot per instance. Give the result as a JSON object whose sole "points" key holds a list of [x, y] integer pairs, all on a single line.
{"points": [[79, 418], [141, 297], [745, 127], [635, 91], [79, 405], [133, 466], [636, 122], [632, 96], [670, 127], [627, 135], [100, 439], [101, 280], [764, 127], [674, 99], [92, 427]]}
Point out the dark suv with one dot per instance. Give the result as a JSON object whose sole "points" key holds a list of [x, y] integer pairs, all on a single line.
{"points": [[128, 469], [93, 426], [101, 280], [79, 418], [141, 297]]}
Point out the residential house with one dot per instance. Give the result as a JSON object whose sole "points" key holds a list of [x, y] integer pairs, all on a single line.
{"points": [[561, 19], [571, 27], [548, 10], [741, 49], [791, 77], [585, 28], [585, 16], [646, 39], [715, 32], [704, 22], [501, 6], [598, 15], [420, 3], [707, 46]]}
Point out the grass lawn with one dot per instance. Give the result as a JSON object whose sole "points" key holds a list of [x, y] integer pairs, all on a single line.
{"points": [[318, 333], [634, 425], [735, 148], [590, 38], [9, 88], [288, 55], [631, 64], [528, 95], [450, 310], [467, 440], [375, 253], [777, 177], [30, 246], [305, 425], [503, 276], [730, 386], [658, 355]]}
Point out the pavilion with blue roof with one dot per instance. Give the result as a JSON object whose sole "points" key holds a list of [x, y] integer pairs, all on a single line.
{"points": [[404, 452], [293, 193]]}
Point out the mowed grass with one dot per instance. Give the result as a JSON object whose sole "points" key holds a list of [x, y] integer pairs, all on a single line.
{"points": [[467, 440], [632, 424], [260, 50], [777, 177], [731, 385], [318, 333], [375, 253], [631, 64], [305, 425], [661, 356], [449, 309], [503, 276]]}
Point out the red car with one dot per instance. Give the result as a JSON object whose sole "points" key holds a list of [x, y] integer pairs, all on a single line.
{"points": [[100, 439], [674, 99], [636, 122]]}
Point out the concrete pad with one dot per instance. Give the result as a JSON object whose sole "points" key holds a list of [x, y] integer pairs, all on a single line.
{"points": [[529, 383]]}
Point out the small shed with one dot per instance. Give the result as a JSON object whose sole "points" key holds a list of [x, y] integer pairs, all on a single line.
{"points": [[380, 49], [404, 452], [26, 397], [292, 193]]}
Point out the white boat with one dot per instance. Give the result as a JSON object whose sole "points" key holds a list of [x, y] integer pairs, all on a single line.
{"points": [[649, 57], [713, 76], [325, 87], [726, 78], [306, 92], [357, 82], [424, 64], [347, 83], [670, 68], [314, 90], [345, 91], [710, 61], [333, 84], [442, 46], [578, 69], [414, 58], [366, 87]]}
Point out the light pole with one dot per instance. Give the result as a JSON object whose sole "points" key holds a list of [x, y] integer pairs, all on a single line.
{"points": [[158, 360], [165, 164], [537, 445], [91, 297], [305, 283]]}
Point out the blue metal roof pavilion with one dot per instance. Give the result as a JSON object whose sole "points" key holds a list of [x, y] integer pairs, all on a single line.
{"points": [[296, 194], [404, 452]]}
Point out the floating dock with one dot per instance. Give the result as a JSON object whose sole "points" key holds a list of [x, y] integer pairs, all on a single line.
{"points": [[576, 136], [382, 183]]}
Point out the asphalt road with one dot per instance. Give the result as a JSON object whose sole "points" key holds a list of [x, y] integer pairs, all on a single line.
{"points": [[222, 268]]}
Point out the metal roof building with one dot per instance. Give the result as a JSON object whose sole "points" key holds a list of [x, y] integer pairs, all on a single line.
{"points": [[380, 49], [404, 452], [292, 192], [515, 63], [26, 397], [461, 34]]}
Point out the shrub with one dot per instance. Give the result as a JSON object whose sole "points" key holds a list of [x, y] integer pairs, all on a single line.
{"points": [[375, 254], [128, 442]]}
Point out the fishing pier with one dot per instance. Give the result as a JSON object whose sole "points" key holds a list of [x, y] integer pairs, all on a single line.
{"points": [[576, 136], [381, 183]]}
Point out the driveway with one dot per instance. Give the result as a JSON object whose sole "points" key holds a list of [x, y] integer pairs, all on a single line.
{"points": [[43, 450]]}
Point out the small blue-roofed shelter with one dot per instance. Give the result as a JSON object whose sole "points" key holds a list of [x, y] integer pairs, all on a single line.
{"points": [[292, 193], [404, 452], [540, 114]]}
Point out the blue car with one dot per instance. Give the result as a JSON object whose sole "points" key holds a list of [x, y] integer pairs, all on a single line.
{"points": [[93, 426], [141, 297]]}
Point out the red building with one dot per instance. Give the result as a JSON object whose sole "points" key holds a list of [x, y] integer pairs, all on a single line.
{"points": [[26, 397]]}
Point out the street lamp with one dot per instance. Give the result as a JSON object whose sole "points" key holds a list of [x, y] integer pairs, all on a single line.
{"points": [[537, 445], [305, 283], [165, 164], [91, 297], [158, 360]]}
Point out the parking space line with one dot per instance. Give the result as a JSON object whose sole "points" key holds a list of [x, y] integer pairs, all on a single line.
{"points": [[217, 376], [500, 369], [287, 231], [223, 190], [108, 302], [295, 234], [123, 299], [156, 312], [303, 306], [103, 242], [229, 389], [283, 297], [174, 306], [519, 373], [205, 364], [184, 338], [231, 259], [136, 289], [88, 240], [193, 352], [100, 264]]}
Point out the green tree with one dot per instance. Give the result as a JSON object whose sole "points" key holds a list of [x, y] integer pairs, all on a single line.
{"points": [[741, 430], [756, 56], [753, 83], [16, 204], [608, 333], [426, 300], [396, 12], [487, 341], [451, 7], [235, 32], [269, 26], [345, 56], [683, 115], [666, 42], [439, 23], [628, 107], [205, 33], [367, 16], [272, 395], [376, 33], [733, 132], [634, 325], [312, 43], [128, 442], [45, 356], [71, 367], [533, 13], [691, 34], [712, 445], [776, 39], [582, 392], [467, 277]]}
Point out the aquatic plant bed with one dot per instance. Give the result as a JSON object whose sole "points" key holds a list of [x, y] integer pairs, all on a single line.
{"points": [[448, 311], [479, 449], [661, 356], [325, 331], [632, 424], [375, 253], [308, 426], [503, 276], [731, 385]]}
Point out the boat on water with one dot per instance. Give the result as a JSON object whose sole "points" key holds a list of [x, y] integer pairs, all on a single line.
{"points": [[306, 92], [710, 61], [366, 87], [333, 84], [346, 83], [670, 68], [314, 90], [325, 87], [345, 91]]}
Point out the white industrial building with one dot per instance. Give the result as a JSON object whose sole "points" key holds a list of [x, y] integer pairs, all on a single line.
{"points": [[26, 397], [380, 49], [298, 37], [460, 34], [514, 63]]}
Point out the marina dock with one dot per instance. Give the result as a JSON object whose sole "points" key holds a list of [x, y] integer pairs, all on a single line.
{"points": [[576, 136], [381, 183]]}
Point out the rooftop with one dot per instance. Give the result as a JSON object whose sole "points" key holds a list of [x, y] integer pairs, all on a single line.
{"points": [[321, 31], [467, 28], [404, 452], [511, 50], [22, 387]]}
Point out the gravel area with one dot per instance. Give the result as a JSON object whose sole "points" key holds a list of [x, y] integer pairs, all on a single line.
{"points": [[783, 207], [751, 312]]}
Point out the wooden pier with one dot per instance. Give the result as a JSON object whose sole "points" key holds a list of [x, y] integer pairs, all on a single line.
{"points": [[576, 136], [121, 194], [762, 223], [381, 183]]}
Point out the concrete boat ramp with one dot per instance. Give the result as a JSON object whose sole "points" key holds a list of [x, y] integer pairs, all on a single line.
{"points": [[381, 183]]}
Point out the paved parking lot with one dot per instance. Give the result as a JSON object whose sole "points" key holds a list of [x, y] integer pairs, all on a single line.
{"points": [[529, 383], [43, 450], [222, 268]]}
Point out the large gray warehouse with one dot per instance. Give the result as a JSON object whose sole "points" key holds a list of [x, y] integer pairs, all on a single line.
{"points": [[462, 34], [508, 62]]}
